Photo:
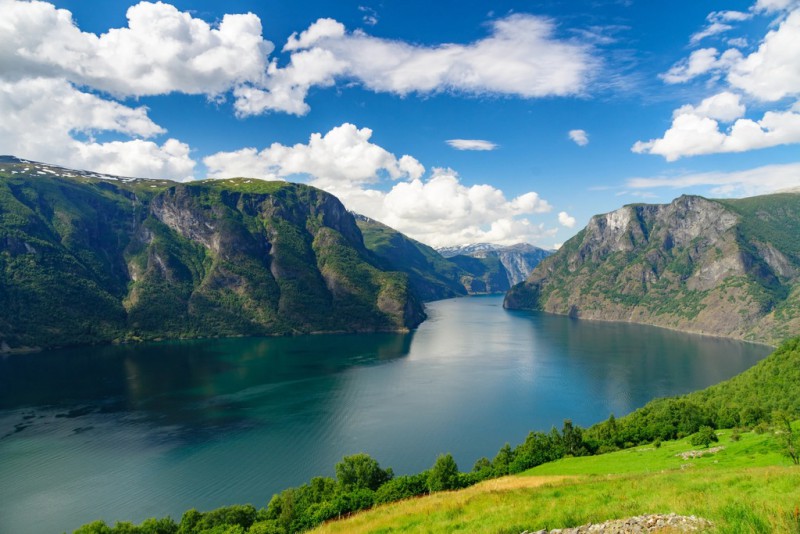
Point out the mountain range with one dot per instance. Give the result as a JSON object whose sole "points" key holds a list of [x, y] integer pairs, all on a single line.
{"points": [[518, 260], [93, 258], [722, 267]]}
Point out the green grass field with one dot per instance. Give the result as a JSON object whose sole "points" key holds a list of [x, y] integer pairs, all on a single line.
{"points": [[747, 487]]}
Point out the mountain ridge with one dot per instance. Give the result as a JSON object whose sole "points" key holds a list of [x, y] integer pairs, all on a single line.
{"points": [[92, 258], [722, 267]]}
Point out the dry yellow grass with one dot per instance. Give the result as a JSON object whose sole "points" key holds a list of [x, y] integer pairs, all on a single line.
{"points": [[450, 503]]}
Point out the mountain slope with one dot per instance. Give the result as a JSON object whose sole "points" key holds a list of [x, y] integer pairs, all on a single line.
{"points": [[87, 258], [517, 260], [729, 268], [430, 274]]}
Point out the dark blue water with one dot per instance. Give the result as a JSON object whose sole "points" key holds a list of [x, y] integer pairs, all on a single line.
{"points": [[126, 433]]}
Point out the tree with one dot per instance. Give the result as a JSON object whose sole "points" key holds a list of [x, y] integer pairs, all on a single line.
{"points": [[444, 474], [501, 464], [361, 471], [786, 437], [704, 437]]}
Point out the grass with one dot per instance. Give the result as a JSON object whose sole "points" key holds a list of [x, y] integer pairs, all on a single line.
{"points": [[747, 487]]}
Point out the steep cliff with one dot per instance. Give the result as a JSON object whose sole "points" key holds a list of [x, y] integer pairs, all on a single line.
{"points": [[517, 260], [86, 258], [722, 267]]}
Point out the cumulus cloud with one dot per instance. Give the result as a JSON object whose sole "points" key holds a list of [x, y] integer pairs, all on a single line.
{"points": [[773, 71], [439, 210], [770, 74], [342, 157], [471, 144], [522, 57], [442, 211], [564, 219], [65, 134], [697, 130], [756, 181], [580, 137], [161, 51]]}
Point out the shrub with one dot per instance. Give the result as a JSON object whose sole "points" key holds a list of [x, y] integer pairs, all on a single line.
{"points": [[705, 436]]}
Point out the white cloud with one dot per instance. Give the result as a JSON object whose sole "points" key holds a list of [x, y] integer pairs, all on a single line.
{"points": [[162, 50], [718, 22], [564, 219], [773, 71], [696, 130], [521, 57], [769, 74], [756, 181], [439, 210], [343, 157], [580, 137], [699, 62], [65, 117], [471, 144], [771, 6]]}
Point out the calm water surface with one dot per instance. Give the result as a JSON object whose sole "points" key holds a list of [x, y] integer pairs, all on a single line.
{"points": [[126, 433]]}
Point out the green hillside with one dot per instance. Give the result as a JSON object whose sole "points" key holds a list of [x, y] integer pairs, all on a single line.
{"points": [[722, 267], [92, 259], [431, 275]]}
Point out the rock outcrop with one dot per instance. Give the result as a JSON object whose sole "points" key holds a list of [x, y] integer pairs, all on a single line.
{"points": [[721, 267]]}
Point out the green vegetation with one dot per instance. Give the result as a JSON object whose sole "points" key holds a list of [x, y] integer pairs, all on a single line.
{"points": [[724, 267], [89, 260], [431, 276], [663, 476]]}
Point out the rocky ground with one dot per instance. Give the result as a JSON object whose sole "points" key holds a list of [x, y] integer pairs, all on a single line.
{"points": [[663, 523]]}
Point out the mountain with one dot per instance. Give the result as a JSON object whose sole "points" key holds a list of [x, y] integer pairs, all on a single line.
{"points": [[430, 274], [721, 267], [517, 260], [90, 258]]}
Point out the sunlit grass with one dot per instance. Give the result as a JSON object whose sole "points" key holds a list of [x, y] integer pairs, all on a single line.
{"points": [[747, 487]]}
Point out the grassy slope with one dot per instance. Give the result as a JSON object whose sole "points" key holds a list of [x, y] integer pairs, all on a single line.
{"points": [[747, 487]]}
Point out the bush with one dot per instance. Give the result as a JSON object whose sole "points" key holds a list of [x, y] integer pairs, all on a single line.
{"points": [[705, 436], [402, 488]]}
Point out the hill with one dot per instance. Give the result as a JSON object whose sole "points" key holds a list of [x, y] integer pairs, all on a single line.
{"points": [[721, 267], [89, 258]]}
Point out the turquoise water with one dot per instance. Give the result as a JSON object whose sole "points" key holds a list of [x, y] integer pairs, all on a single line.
{"points": [[126, 433]]}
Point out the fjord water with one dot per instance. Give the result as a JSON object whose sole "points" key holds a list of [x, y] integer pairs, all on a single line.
{"points": [[130, 432]]}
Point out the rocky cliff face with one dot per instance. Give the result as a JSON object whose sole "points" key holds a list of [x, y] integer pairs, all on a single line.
{"points": [[470, 270], [726, 268], [517, 260], [86, 258]]}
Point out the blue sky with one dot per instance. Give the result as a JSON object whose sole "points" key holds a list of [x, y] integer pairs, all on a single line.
{"points": [[454, 122]]}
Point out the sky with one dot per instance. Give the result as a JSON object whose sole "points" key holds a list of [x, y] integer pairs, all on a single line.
{"points": [[452, 121]]}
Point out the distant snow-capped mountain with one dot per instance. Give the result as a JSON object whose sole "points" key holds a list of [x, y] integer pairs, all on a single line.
{"points": [[518, 260]]}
